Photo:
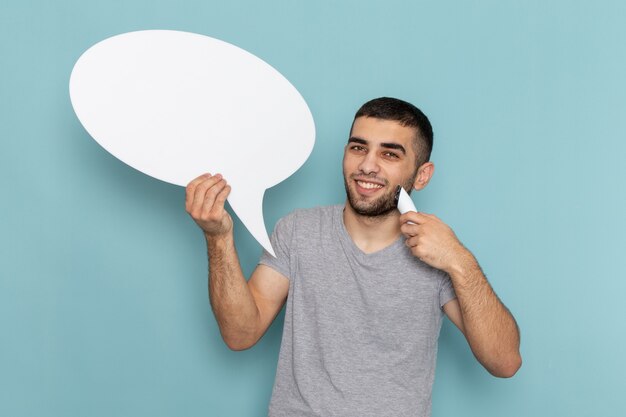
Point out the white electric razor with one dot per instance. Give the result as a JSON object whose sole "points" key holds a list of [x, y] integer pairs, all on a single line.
{"points": [[403, 201]]}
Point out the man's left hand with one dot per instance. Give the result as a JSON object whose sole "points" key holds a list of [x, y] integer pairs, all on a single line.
{"points": [[432, 241]]}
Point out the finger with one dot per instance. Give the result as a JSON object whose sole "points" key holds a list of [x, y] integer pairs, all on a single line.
{"points": [[409, 229], [201, 190], [412, 241], [191, 188], [209, 206], [220, 199], [413, 217]]}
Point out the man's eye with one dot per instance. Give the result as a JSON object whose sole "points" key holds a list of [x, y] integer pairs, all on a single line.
{"points": [[357, 148], [391, 155]]}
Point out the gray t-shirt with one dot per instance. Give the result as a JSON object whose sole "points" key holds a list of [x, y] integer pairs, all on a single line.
{"points": [[360, 333]]}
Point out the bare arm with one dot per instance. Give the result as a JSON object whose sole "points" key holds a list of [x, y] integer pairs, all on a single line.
{"points": [[487, 324], [489, 327], [243, 310]]}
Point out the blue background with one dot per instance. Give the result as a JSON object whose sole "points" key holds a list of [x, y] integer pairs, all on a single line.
{"points": [[103, 299]]}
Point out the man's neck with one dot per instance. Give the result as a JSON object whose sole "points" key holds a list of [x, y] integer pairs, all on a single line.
{"points": [[371, 234]]}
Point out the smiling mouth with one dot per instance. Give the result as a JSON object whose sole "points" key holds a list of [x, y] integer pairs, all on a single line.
{"points": [[368, 185]]}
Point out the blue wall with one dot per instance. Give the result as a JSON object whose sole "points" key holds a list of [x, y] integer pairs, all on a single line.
{"points": [[103, 300]]}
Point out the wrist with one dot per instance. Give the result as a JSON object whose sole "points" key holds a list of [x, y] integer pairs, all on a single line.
{"points": [[463, 266], [221, 240]]}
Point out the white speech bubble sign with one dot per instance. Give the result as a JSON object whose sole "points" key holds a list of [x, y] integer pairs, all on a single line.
{"points": [[174, 105]]}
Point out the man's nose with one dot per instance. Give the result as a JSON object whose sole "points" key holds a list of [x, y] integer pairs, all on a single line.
{"points": [[369, 163]]}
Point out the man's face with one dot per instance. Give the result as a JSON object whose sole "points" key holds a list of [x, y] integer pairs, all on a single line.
{"points": [[379, 156]]}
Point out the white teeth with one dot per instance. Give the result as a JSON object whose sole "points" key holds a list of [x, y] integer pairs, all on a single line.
{"points": [[369, 185]]}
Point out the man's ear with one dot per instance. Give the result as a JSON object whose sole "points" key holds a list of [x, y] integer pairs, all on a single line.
{"points": [[424, 174]]}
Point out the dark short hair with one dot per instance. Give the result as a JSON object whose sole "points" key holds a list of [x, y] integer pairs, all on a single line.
{"points": [[388, 108]]}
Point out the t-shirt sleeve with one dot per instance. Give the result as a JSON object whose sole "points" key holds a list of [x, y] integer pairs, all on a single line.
{"points": [[281, 241], [446, 290]]}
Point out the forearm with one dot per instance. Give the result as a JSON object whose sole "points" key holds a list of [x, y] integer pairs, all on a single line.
{"points": [[232, 302], [489, 327]]}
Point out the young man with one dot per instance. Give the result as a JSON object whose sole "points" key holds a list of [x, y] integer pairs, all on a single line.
{"points": [[366, 288]]}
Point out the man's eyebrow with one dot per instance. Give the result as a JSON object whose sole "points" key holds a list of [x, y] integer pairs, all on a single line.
{"points": [[394, 146], [388, 145], [357, 140]]}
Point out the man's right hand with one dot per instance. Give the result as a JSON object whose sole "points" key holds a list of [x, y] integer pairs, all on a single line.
{"points": [[205, 197], [243, 309]]}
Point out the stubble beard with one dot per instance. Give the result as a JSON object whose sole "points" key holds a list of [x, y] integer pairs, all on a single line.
{"points": [[382, 206]]}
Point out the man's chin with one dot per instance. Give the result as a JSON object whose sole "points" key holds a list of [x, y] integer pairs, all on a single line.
{"points": [[372, 213], [368, 205], [381, 207]]}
